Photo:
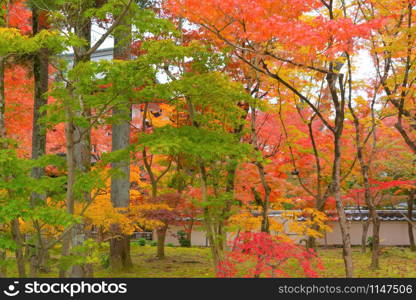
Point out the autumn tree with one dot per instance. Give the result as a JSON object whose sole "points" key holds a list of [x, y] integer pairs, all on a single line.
{"points": [[16, 47], [163, 210], [208, 101], [120, 186], [392, 49], [270, 38], [263, 255]]}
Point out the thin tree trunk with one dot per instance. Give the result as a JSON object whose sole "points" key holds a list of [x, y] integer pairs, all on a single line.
{"points": [[339, 106], [364, 234], [320, 201], [38, 262], [264, 203], [70, 199], [189, 233], [2, 99], [410, 204], [375, 249], [345, 232], [2, 82], [215, 241], [18, 239], [265, 225], [3, 271], [161, 237], [230, 186], [41, 77], [364, 166]]}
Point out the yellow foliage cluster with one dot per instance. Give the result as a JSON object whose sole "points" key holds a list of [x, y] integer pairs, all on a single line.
{"points": [[102, 213], [164, 118], [140, 214], [245, 221], [27, 226], [313, 226]]}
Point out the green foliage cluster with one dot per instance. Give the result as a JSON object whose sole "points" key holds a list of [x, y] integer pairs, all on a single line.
{"points": [[183, 241], [17, 190]]}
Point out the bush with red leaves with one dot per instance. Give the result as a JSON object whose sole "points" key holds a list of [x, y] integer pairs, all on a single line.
{"points": [[264, 255]]}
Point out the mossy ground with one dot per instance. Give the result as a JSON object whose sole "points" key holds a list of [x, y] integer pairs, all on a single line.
{"points": [[196, 262]]}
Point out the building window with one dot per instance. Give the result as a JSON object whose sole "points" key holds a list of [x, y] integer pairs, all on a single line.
{"points": [[147, 235]]}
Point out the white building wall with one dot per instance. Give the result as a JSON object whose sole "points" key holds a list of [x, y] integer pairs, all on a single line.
{"points": [[392, 233]]}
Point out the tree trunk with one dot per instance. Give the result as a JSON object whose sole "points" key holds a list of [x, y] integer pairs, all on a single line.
{"points": [[311, 241], [366, 225], [120, 185], [120, 193], [3, 270], [81, 145], [66, 244], [265, 201], [161, 237], [2, 99], [410, 204], [18, 239], [38, 262], [364, 167], [70, 199], [41, 77], [120, 258], [189, 233], [215, 242], [345, 232], [230, 186], [375, 249], [77, 239]]}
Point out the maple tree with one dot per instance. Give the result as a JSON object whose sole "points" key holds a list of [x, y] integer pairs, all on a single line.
{"points": [[216, 113], [271, 39], [262, 255]]}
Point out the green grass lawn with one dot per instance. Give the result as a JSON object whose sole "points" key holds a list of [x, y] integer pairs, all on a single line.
{"points": [[195, 262], [179, 262], [394, 262]]}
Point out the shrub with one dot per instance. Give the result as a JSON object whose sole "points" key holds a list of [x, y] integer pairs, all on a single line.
{"points": [[141, 242], [183, 241], [153, 243], [264, 255], [370, 242], [170, 245], [104, 260]]}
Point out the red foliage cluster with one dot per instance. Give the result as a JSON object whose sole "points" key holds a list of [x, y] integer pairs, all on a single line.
{"points": [[261, 21], [377, 186], [264, 255], [20, 16]]}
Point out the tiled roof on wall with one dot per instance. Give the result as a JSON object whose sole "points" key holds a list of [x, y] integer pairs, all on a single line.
{"points": [[356, 215]]}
